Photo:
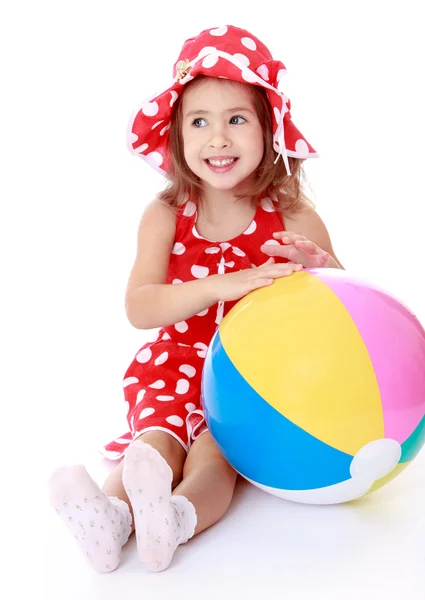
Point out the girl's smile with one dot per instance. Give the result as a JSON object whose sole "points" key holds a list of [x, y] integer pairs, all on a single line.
{"points": [[222, 135], [221, 164]]}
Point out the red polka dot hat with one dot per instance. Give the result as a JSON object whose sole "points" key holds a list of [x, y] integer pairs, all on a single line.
{"points": [[226, 52]]}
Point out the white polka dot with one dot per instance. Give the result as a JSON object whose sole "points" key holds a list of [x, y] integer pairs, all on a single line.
{"points": [[263, 71], [158, 123], [209, 61], [189, 209], [230, 264], [178, 248], [301, 148], [188, 370], [212, 250], [272, 243], [122, 440], [199, 272], [267, 205], [249, 76], [175, 420], [251, 228], [144, 355], [190, 407], [196, 234], [174, 96], [277, 115], [224, 246], [182, 386], [146, 412], [219, 31], [150, 109], [162, 358], [238, 251], [181, 327], [157, 385], [111, 454], [202, 349], [207, 50], [140, 396], [142, 148], [164, 129], [249, 43], [241, 58], [280, 74], [177, 281], [133, 138], [155, 157], [166, 336], [202, 313], [165, 398], [129, 381], [253, 266]]}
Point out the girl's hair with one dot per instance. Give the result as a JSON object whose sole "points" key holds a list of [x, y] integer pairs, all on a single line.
{"points": [[270, 177]]}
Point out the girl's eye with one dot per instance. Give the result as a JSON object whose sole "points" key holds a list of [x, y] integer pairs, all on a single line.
{"points": [[234, 120], [199, 123]]}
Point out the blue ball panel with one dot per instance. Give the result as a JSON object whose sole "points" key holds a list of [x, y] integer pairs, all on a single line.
{"points": [[257, 440]]}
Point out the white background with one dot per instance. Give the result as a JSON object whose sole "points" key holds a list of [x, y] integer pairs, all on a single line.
{"points": [[71, 198]]}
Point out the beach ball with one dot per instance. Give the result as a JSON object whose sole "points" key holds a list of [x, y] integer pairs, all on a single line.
{"points": [[314, 387]]}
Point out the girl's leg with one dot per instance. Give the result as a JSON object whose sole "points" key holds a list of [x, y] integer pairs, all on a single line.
{"points": [[168, 447], [101, 520], [208, 482], [164, 521]]}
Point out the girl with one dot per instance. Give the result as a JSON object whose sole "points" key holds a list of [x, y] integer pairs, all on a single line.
{"points": [[223, 135]]}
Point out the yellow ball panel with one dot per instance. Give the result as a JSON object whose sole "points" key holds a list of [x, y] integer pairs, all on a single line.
{"points": [[384, 480], [297, 346]]}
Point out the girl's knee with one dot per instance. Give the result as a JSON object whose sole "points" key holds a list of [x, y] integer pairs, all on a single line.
{"points": [[169, 448]]}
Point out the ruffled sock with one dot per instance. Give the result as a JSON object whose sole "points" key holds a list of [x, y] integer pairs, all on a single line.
{"points": [[100, 524], [162, 521]]}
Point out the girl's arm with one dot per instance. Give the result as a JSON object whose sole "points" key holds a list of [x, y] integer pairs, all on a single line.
{"points": [[149, 301]]}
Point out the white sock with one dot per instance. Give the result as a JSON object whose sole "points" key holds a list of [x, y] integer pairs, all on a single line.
{"points": [[162, 521], [101, 525]]}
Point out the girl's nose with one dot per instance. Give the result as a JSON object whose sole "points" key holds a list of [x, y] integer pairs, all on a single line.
{"points": [[219, 138]]}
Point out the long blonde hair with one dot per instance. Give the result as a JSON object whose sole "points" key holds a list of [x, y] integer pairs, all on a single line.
{"points": [[270, 177]]}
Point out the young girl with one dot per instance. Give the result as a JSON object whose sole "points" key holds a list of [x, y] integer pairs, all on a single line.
{"points": [[222, 133]]}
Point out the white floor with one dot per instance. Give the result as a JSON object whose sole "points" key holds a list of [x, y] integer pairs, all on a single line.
{"points": [[269, 548]]}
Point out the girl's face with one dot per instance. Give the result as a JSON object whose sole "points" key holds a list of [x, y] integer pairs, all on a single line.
{"points": [[222, 136]]}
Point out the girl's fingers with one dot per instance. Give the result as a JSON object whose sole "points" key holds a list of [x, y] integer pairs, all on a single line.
{"points": [[287, 237], [313, 250], [263, 281], [307, 246], [277, 250], [281, 269], [268, 262]]}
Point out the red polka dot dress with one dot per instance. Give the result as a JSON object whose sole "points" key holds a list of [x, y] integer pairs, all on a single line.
{"points": [[162, 386]]}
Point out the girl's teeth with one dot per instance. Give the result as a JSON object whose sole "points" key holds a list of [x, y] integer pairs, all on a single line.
{"points": [[221, 163]]}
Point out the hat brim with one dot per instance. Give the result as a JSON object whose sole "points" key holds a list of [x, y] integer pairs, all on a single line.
{"points": [[148, 129]]}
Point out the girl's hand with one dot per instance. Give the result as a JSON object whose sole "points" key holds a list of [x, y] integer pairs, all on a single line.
{"points": [[299, 249], [233, 286]]}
